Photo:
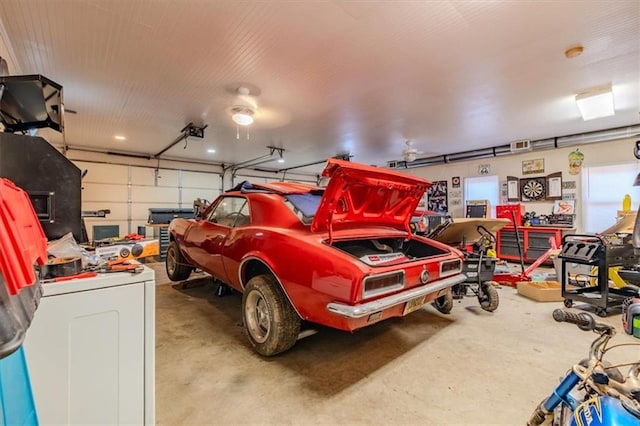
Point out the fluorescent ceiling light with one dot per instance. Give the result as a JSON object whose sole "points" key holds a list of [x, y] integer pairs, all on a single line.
{"points": [[596, 103], [211, 151], [120, 137]]}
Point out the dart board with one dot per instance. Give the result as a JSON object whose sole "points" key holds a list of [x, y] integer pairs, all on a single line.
{"points": [[533, 189]]}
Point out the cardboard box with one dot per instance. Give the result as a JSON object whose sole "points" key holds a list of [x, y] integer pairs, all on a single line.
{"points": [[541, 291], [129, 250]]}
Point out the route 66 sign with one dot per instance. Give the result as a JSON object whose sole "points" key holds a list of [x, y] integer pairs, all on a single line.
{"points": [[484, 169]]}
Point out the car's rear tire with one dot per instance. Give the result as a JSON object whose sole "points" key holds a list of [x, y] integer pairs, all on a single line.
{"points": [[270, 322], [177, 267]]}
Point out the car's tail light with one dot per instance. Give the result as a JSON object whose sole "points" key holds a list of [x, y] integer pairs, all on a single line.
{"points": [[374, 285], [450, 267]]}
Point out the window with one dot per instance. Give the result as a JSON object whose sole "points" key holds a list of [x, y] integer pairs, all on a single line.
{"points": [[230, 211], [304, 205], [603, 189], [483, 188]]}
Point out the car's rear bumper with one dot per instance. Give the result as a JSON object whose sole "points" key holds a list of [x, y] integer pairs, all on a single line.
{"points": [[365, 309]]}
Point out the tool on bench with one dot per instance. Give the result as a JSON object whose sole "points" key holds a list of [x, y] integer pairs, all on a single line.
{"points": [[119, 266], [70, 277], [62, 267]]}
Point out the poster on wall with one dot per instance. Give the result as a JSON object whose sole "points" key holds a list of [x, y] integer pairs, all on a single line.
{"points": [[575, 162], [437, 197], [532, 167]]}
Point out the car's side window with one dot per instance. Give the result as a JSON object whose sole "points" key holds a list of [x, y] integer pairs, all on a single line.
{"points": [[244, 217], [230, 211]]}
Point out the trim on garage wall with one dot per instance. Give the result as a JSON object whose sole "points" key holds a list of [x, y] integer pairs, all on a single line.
{"points": [[142, 160], [597, 136]]}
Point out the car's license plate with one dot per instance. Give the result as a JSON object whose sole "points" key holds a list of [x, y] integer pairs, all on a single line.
{"points": [[413, 305]]}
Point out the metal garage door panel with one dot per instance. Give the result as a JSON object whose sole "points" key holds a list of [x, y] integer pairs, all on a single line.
{"points": [[140, 211], [200, 180], [188, 195], [104, 173], [154, 194], [102, 192], [146, 176]]}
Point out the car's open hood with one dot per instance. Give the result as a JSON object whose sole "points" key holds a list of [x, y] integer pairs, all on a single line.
{"points": [[359, 195]]}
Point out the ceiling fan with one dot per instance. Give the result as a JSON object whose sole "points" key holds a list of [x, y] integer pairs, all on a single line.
{"points": [[409, 152], [245, 109]]}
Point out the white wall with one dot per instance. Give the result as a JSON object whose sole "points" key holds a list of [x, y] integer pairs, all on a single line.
{"points": [[555, 160]]}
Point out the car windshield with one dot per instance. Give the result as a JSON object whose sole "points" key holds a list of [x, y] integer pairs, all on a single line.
{"points": [[304, 206]]}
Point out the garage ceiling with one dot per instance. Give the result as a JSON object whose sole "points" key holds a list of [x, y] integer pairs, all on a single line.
{"points": [[331, 77]]}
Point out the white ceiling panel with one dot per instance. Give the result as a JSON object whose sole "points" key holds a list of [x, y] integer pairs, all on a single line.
{"points": [[329, 77]]}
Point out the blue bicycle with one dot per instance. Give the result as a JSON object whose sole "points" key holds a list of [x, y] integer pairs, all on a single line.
{"points": [[594, 392]]}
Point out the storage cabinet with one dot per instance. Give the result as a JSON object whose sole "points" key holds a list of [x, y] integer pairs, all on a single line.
{"points": [[91, 350], [534, 242], [161, 233]]}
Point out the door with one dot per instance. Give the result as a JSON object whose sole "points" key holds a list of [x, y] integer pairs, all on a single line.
{"points": [[205, 238]]}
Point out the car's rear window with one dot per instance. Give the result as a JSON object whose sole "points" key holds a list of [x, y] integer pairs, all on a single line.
{"points": [[304, 206]]}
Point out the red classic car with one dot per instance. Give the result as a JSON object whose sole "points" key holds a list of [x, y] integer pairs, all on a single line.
{"points": [[341, 256]]}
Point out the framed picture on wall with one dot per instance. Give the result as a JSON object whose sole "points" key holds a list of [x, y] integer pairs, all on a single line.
{"points": [[554, 186], [532, 167], [437, 197], [513, 190], [564, 206]]}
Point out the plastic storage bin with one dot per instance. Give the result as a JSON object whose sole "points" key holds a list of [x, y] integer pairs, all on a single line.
{"points": [[16, 399], [22, 240], [22, 245]]}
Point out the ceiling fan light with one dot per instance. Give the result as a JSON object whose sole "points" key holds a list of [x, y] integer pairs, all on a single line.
{"points": [[242, 118]]}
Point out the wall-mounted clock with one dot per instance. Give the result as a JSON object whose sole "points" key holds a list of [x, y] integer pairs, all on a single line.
{"points": [[533, 188]]}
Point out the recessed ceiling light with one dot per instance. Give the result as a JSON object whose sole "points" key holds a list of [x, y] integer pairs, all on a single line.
{"points": [[211, 151], [120, 137], [281, 160]]}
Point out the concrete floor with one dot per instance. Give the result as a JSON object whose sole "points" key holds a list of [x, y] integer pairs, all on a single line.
{"points": [[469, 367]]}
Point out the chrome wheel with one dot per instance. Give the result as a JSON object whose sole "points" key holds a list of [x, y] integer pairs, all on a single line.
{"points": [[177, 267], [270, 322], [258, 316], [171, 261]]}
